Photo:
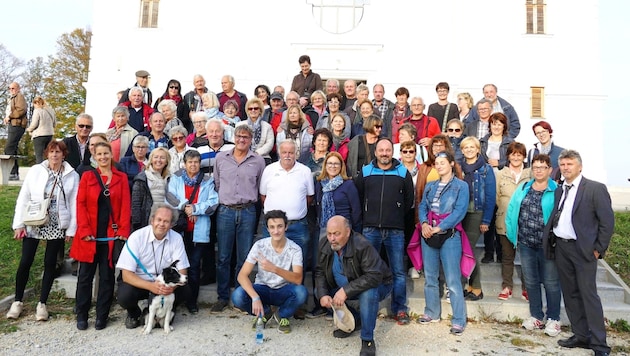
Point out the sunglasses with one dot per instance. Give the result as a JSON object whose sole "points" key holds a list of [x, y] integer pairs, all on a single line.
{"points": [[178, 138], [378, 126], [408, 151], [83, 126], [253, 109], [173, 87], [454, 130]]}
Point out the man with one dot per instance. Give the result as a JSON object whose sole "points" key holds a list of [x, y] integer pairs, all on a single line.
{"points": [[288, 185], [292, 99], [349, 268], [78, 150], [350, 93], [229, 93], [582, 223], [15, 119], [193, 97], [139, 265], [157, 137], [237, 175], [279, 89], [139, 112], [501, 105], [216, 144], [480, 126], [382, 107], [386, 191], [273, 115], [142, 82], [306, 82], [279, 277], [443, 111], [426, 126], [363, 92], [332, 86]]}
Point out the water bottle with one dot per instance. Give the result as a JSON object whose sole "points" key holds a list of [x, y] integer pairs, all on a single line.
{"points": [[259, 330]]}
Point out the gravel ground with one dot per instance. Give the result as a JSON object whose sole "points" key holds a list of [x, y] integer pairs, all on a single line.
{"points": [[230, 333]]}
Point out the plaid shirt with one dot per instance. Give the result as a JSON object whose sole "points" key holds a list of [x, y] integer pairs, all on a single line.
{"points": [[483, 129], [381, 109]]}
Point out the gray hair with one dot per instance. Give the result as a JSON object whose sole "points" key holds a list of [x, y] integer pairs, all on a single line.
{"points": [[215, 121], [288, 142], [483, 101], [333, 80], [177, 129], [132, 89], [230, 78], [244, 128], [119, 110], [168, 102], [200, 115], [491, 85], [140, 139], [570, 154], [158, 206], [363, 87], [85, 116], [293, 92]]}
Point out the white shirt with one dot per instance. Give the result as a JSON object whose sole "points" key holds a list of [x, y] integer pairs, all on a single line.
{"points": [[287, 191], [565, 228], [154, 254], [290, 256]]}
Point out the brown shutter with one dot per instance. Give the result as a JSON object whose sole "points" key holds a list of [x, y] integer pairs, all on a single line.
{"points": [[537, 102]]}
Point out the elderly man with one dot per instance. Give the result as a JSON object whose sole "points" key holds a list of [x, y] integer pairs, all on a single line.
{"points": [[273, 114], [498, 104], [349, 268], [479, 127], [426, 126], [15, 119], [237, 175], [193, 97], [349, 93], [443, 111], [157, 137], [363, 92], [139, 265], [216, 144], [142, 82], [386, 191], [78, 150], [139, 112], [307, 81], [229, 93]]}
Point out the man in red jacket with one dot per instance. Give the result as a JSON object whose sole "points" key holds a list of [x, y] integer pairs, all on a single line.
{"points": [[427, 126]]}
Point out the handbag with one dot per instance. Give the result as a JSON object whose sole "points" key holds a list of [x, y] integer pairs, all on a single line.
{"points": [[36, 212], [182, 219]]}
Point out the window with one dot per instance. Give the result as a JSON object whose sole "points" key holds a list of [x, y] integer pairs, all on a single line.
{"points": [[537, 106], [535, 16], [149, 13], [338, 16]]}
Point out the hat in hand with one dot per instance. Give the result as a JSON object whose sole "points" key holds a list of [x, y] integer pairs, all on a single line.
{"points": [[343, 318]]}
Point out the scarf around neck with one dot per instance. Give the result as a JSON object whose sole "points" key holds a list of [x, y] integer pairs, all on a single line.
{"points": [[469, 172], [328, 204]]}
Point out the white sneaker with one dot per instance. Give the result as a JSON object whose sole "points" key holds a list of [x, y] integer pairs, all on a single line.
{"points": [[15, 310], [532, 323], [553, 327], [42, 313], [413, 274]]}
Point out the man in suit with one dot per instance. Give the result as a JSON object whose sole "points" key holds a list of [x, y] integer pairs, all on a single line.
{"points": [[78, 151], [582, 223]]}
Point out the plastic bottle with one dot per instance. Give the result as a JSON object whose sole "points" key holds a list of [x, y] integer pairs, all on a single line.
{"points": [[259, 330]]}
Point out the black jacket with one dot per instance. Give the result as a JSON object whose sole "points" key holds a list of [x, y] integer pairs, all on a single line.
{"points": [[141, 202], [362, 265], [74, 156]]}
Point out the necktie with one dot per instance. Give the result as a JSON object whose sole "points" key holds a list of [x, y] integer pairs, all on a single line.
{"points": [[566, 194]]}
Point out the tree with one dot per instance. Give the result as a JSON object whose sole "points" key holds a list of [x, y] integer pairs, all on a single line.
{"points": [[33, 81], [67, 71], [9, 67]]}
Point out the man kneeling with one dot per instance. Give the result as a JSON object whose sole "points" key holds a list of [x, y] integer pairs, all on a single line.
{"points": [[279, 278], [350, 268]]}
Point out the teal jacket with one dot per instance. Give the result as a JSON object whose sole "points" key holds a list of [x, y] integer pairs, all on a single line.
{"points": [[514, 207]]}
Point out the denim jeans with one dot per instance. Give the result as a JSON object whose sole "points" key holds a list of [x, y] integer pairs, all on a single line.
{"points": [[233, 225], [450, 255], [287, 298], [394, 242], [536, 270], [298, 233]]}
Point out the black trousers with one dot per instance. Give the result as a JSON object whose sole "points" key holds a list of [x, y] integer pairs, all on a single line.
{"points": [[85, 282], [14, 135], [128, 297], [29, 248]]}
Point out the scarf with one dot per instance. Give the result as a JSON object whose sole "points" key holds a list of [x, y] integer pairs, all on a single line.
{"points": [[156, 183], [113, 134], [177, 98], [328, 204], [190, 181], [257, 132], [293, 130], [469, 173]]}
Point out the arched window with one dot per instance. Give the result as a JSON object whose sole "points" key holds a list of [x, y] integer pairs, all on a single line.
{"points": [[338, 16]]}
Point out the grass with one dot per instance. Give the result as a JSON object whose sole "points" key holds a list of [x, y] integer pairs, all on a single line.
{"points": [[619, 249]]}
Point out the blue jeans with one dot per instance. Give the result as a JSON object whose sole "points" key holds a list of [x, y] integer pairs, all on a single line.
{"points": [[450, 255], [233, 225], [394, 242], [298, 233], [536, 270], [288, 298]]}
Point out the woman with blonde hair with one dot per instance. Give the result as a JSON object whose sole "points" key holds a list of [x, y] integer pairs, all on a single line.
{"points": [[296, 128], [464, 103], [42, 127], [149, 187]]}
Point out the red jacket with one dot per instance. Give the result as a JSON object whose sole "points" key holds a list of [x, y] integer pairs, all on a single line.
{"points": [[146, 114], [425, 128], [87, 214]]}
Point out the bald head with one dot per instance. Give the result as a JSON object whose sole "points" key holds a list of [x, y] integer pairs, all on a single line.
{"points": [[338, 232]]}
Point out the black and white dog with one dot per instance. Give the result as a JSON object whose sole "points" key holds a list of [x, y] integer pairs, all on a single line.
{"points": [[161, 306]]}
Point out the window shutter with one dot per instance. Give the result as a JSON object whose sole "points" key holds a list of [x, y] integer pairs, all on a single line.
{"points": [[537, 102], [149, 13]]}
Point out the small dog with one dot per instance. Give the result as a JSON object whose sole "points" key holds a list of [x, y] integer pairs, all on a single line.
{"points": [[161, 306]]}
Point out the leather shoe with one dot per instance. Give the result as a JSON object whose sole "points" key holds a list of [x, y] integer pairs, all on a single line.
{"points": [[601, 353], [82, 324], [100, 324], [573, 342]]}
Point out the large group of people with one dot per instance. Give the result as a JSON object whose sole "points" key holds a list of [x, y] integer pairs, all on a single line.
{"points": [[333, 177]]}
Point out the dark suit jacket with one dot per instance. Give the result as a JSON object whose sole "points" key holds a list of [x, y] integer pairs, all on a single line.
{"points": [[74, 156], [593, 218]]}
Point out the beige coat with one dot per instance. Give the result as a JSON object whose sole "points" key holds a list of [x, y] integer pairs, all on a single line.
{"points": [[43, 122], [505, 188]]}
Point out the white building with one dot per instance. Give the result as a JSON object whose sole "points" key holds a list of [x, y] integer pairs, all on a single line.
{"points": [[524, 47]]}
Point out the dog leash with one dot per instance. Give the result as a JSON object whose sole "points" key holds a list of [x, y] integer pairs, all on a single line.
{"points": [[102, 239], [140, 263]]}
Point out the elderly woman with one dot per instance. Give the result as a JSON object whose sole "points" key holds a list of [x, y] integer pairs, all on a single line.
{"points": [[174, 92], [198, 137], [441, 211], [365, 109], [334, 102], [494, 144], [322, 143], [464, 103], [192, 193], [54, 178], [178, 138], [455, 133], [318, 103], [527, 214], [510, 177], [262, 140], [408, 158], [361, 148], [168, 108], [134, 164], [42, 127], [296, 128], [230, 109], [261, 92], [408, 132], [149, 186], [103, 211], [121, 135], [543, 132], [482, 199], [402, 110]]}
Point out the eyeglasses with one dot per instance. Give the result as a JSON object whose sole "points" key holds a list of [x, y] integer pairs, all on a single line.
{"points": [[539, 168], [178, 138], [254, 109], [538, 133], [242, 137], [484, 109], [84, 126], [438, 145], [454, 130], [378, 126], [12, 88], [197, 122], [408, 151], [141, 147], [173, 87], [333, 164]]}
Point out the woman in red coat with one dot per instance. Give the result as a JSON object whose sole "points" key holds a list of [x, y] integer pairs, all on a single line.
{"points": [[100, 191]]}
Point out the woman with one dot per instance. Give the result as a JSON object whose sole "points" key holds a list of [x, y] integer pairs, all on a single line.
{"points": [[56, 179], [134, 164], [427, 172], [322, 143], [174, 92], [332, 110], [261, 92], [178, 138], [198, 137], [92, 141], [296, 128], [510, 177], [402, 110], [103, 211], [42, 127], [543, 132], [318, 103], [192, 193], [464, 103], [408, 132], [455, 133], [168, 108], [361, 148], [262, 140], [230, 109], [121, 135], [441, 211], [149, 186], [494, 144], [408, 158], [527, 214], [365, 109], [482, 199], [339, 135]]}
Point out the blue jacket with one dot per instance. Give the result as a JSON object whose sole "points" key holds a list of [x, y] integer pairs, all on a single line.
{"points": [[514, 124], [207, 202], [484, 192], [514, 208], [453, 201], [505, 142], [347, 204]]}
